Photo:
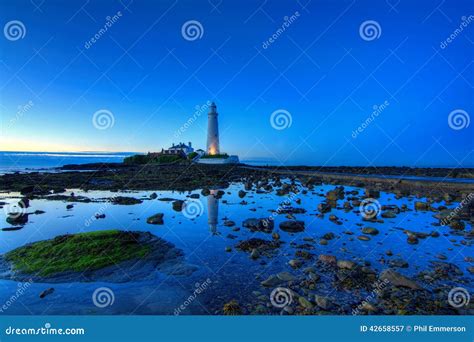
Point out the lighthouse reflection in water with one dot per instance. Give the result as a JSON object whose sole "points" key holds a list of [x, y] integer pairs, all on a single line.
{"points": [[212, 211]]}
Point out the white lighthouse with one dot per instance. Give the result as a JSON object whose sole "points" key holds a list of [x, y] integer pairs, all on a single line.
{"points": [[212, 131]]}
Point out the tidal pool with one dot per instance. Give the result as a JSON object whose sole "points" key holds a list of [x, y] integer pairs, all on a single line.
{"points": [[220, 272]]}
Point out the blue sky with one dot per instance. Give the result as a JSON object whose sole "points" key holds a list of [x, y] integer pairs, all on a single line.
{"points": [[320, 70]]}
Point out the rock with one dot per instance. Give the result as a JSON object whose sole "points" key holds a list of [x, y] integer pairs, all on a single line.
{"points": [[123, 200], [295, 263], [292, 226], [363, 238], [422, 206], [228, 249], [271, 281], [441, 256], [194, 196], [389, 252], [328, 259], [470, 269], [323, 302], [285, 276], [178, 205], [328, 236], [242, 193], [46, 292], [398, 263], [370, 230], [396, 279], [261, 225], [389, 214], [229, 223], [275, 236], [412, 239], [261, 244], [372, 193], [17, 219], [205, 192], [232, 308], [323, 242], [324, 207], [346, 264], [69, 206], [99, 216], [254, 254], [305, 303], [155, 219], [153, 196]]}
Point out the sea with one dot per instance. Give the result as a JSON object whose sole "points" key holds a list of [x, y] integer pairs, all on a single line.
{"points": [[39, 161]]}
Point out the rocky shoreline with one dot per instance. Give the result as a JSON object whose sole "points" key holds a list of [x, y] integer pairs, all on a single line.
{"points": [[186, 177]]}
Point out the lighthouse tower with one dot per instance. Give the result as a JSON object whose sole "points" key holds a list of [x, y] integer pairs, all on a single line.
{"points": [[212, 131]]}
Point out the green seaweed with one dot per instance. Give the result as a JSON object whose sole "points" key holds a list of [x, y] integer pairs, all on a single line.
{"points": [[77, 252]]}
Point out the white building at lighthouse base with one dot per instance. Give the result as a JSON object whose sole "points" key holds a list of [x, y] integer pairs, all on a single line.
{"points": [[229, 160]]}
